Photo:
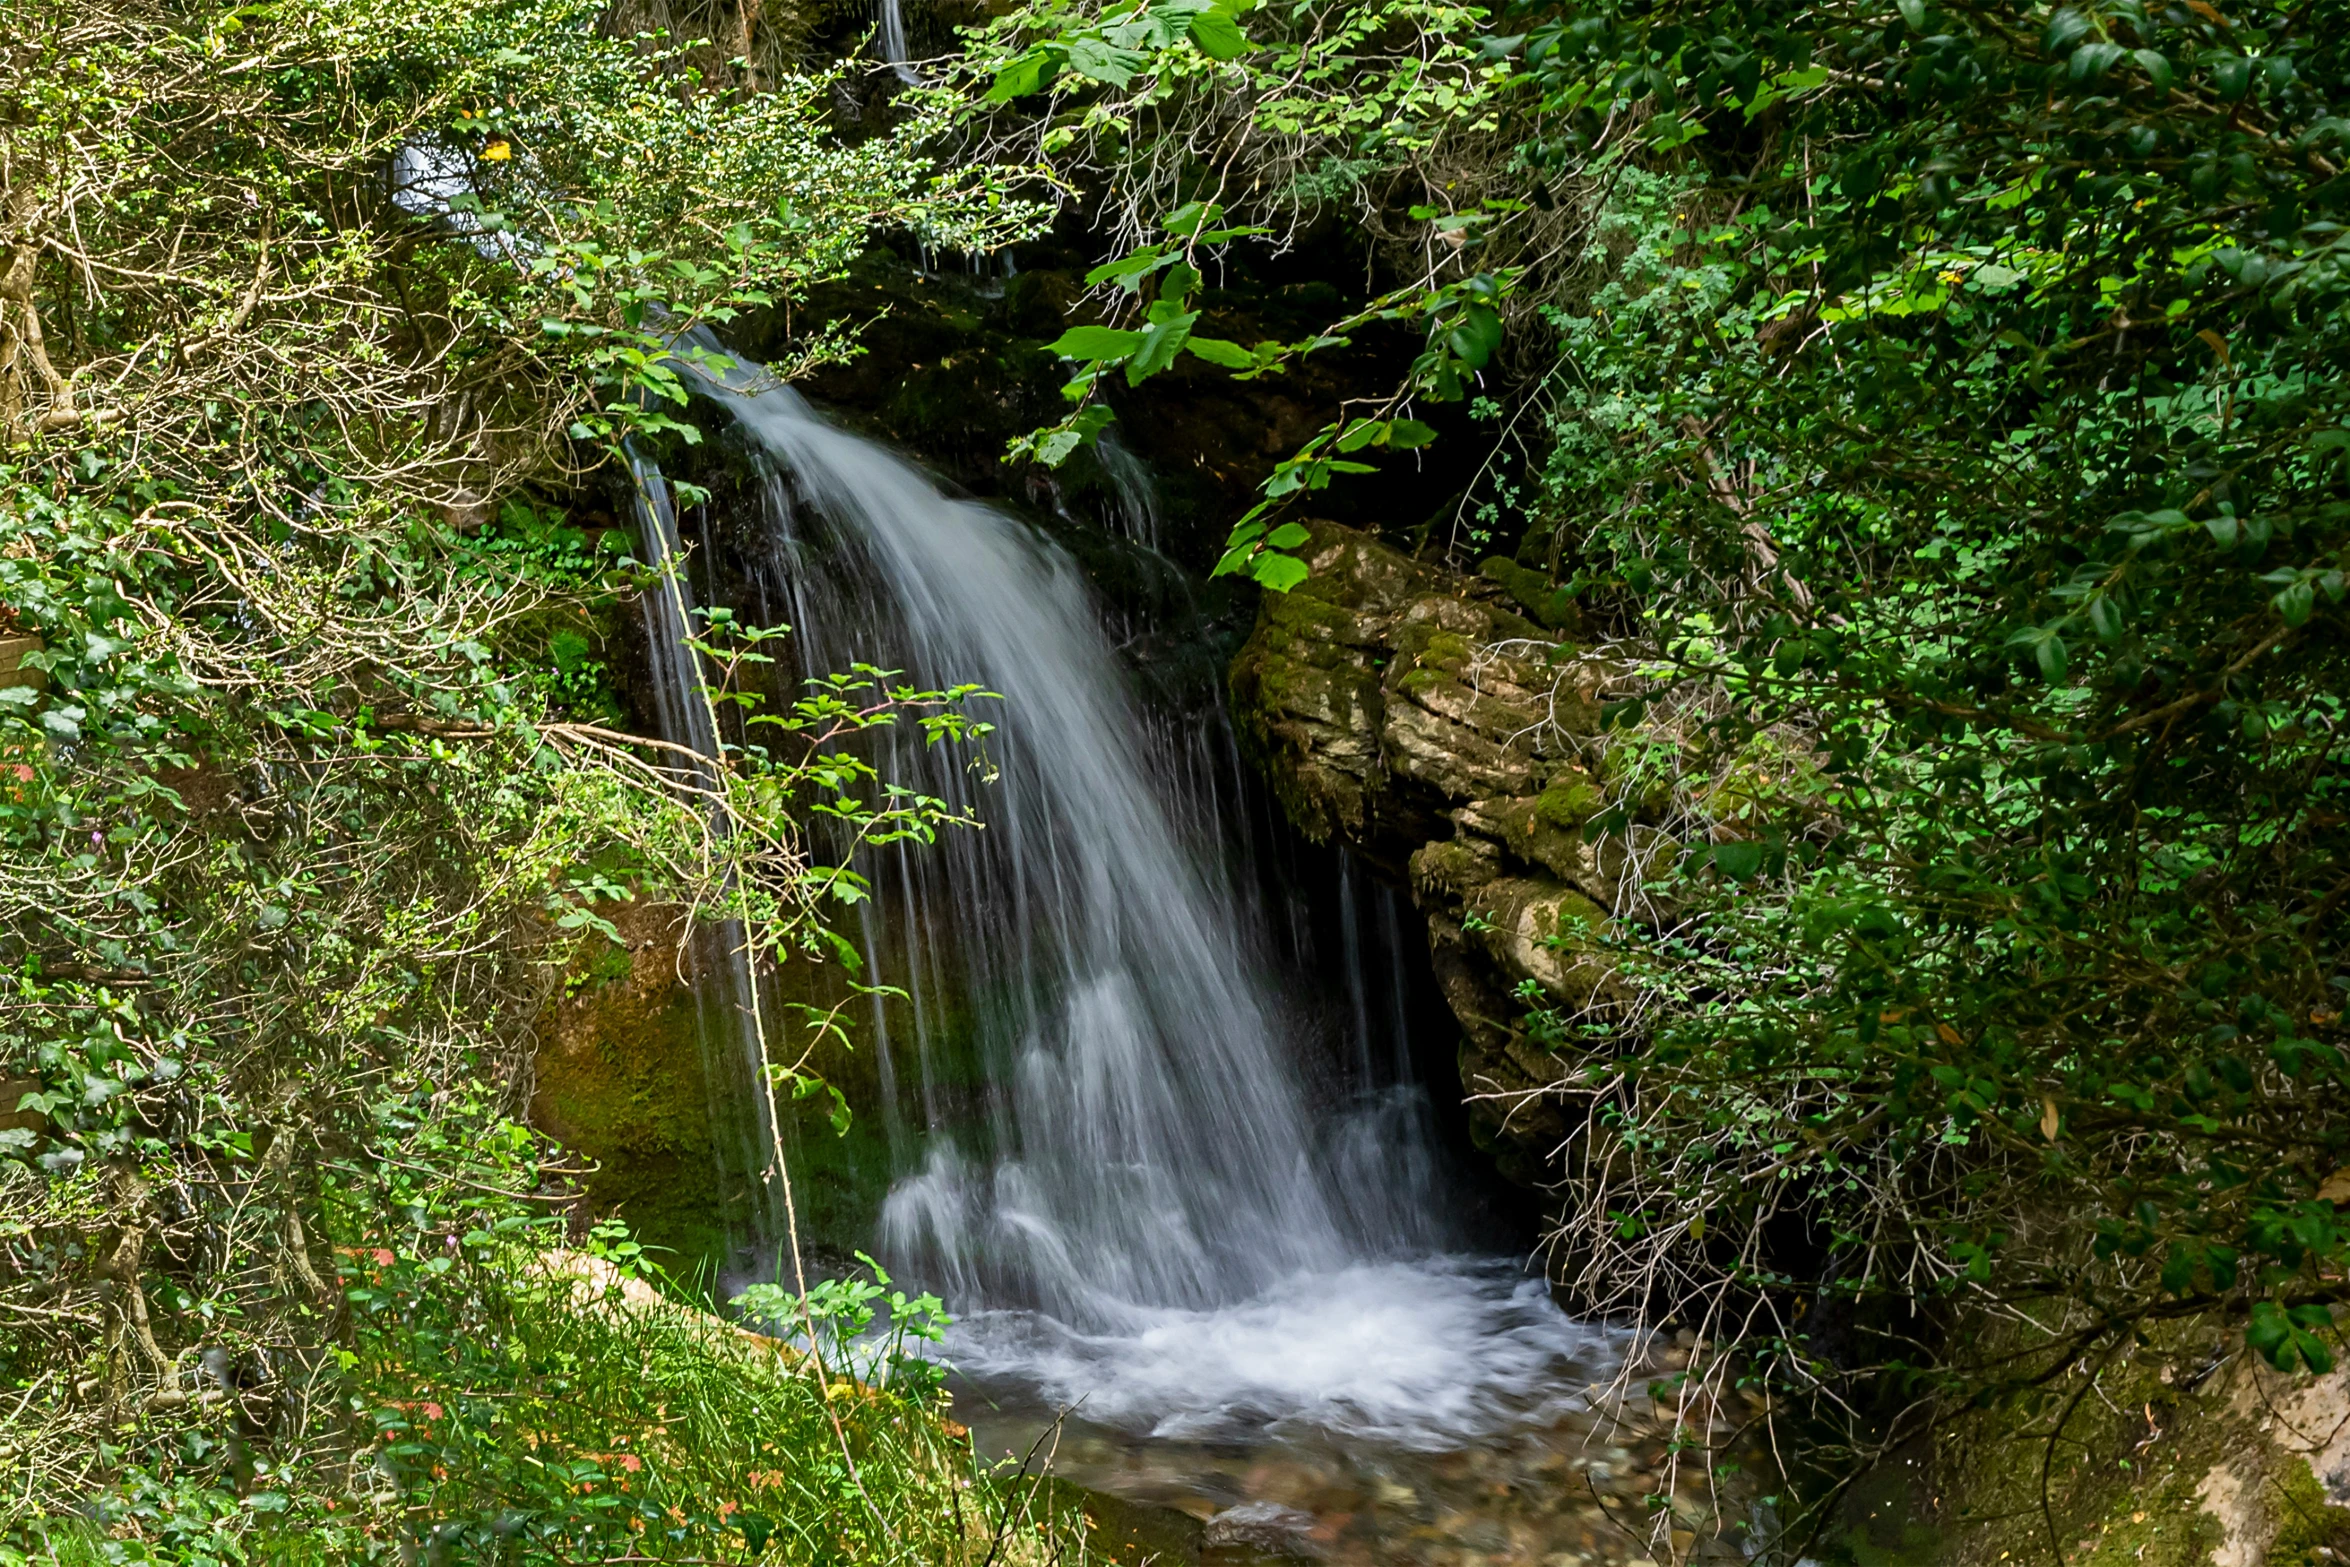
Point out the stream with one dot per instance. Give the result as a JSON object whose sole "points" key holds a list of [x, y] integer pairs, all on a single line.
{"points": [[1206, 1245]]}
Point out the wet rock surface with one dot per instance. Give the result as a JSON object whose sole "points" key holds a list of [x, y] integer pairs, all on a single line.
{"points": [[1415, 714]]}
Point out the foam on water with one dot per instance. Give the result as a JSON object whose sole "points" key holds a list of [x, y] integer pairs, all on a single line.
{"points": [[1430, 1355]]}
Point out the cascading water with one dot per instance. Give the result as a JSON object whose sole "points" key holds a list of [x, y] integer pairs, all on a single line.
{"points": [[891, 37], [725, 994], [1154, 1202], [1137, 511]]}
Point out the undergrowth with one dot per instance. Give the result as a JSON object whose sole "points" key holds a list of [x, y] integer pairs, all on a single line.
{"points": [[484, 1394]]}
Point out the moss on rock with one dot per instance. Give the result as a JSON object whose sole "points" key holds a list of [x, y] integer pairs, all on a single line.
{"points": [[620, 1079]]}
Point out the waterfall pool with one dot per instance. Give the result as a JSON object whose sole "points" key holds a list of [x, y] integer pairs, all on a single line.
{"points": [[1441, 1411]]}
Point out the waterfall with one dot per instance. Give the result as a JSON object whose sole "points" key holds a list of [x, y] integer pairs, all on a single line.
{"points": [[892, 39], [1137, 509], [1118, 1157], [725, 1002]]}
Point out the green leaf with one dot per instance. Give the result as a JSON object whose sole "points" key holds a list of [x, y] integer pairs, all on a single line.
{"points": [[1218, 36], [1217, 351], [1054, 449], [1098, 343], [1279, 572], [1288, 536], [1408, 435], [1191, 217], [1104, 62], [1475, 334], [1360, 434], [1738, 861], [1024, 75], [2050, 656], [2295, 603], [1135, 267], [2157, 67], [2091, 61], [1160, 344]]}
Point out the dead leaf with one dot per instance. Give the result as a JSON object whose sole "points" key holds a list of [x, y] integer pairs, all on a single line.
{"points": [[2335, 1187], [2049, 1120]]}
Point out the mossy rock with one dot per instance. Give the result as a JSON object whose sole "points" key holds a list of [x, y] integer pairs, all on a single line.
{"points": [[621, 1080], [1548, 605], [1569, 800]]}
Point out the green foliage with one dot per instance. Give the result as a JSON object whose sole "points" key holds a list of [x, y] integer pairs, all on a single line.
{"points": [[309, 781], [1956, 401], [834, 1319], [1181, 117], [530, 1410]]}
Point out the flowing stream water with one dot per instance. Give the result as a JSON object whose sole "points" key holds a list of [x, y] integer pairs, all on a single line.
{"points": [[1159, 1204]]}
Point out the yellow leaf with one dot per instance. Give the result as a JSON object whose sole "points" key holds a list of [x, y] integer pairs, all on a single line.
{"points": [[496, 152]]}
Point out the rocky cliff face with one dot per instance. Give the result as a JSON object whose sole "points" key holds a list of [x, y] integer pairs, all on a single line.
{"points": [[1421, 718]]}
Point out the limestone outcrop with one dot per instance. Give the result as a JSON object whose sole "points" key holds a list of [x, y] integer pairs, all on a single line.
{"points": [[1415, 715]]}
